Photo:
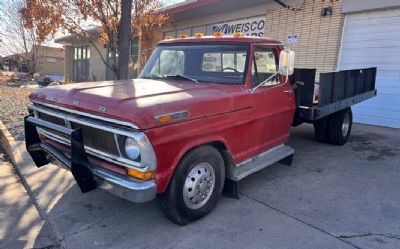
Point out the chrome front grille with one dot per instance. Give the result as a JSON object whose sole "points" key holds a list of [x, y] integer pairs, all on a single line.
{"points": [[99, 136], [98, 139]]}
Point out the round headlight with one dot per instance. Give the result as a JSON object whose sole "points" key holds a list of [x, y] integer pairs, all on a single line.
{"points": [[132, 149]]}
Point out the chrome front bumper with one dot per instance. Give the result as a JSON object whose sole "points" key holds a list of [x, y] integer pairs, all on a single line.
{"points": [[87, 176]]}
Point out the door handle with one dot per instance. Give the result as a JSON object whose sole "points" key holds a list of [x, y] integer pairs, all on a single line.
{"points": [[289, 91]]}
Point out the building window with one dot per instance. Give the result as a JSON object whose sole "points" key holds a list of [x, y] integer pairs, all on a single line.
{"points": [[81, 63], [51, 59], [135, 47]]}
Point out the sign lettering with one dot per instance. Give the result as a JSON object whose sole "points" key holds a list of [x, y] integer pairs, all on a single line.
{"points": [[249, 27]]}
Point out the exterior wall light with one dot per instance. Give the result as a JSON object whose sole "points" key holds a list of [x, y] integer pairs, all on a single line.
{"points": [[326, 11]]}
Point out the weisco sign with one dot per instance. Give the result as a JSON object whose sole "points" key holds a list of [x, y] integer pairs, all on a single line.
{"points": [[249, 27]]}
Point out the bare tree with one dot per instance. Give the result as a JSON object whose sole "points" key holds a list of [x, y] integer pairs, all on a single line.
{"points": [[111, 18], [15, 38]]}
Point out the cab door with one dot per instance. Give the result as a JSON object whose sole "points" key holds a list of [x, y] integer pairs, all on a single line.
{"points": [[273, 103]]}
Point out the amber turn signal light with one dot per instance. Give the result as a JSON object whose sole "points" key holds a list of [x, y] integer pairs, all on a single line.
{"points": [[237, 34], [198, 35], [165, 118], [141, 175]]}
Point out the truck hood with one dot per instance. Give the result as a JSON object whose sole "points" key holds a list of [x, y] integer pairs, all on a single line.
{"points": [[139, 101]]}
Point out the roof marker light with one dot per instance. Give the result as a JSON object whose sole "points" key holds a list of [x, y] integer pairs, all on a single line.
{"points": [[218, 34], [198, 35], [168, 37], [183, 36], [237, 34]]}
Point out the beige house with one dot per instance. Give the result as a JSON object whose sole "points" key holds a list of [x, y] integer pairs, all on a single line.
{"points": [[48, 60], [84, 60]]}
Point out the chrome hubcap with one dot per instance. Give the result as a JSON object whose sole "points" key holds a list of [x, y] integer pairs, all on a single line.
{"points": [[199, 185], [346, 124]]}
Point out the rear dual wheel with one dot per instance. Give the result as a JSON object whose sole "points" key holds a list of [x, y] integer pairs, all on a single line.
{"points": [[195, 187], [335, 128]]}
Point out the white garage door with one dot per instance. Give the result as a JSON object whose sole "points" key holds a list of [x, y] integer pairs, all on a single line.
{"points": [[372, 39]]}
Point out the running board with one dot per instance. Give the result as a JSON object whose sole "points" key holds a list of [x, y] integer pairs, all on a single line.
{"points": [[260, 162]]}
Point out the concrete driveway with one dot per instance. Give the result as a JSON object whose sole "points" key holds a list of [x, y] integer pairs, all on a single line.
{"points": [[332, 197]]}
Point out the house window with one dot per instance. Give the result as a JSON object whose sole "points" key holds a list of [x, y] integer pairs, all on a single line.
{"points": [[135, 47], [51, 59], [81, 63], [134, 56]]}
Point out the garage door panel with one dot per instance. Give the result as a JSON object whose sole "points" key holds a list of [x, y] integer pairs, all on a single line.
{"points": [[368, 43], [373, 23], [357, 30], [383, 100], [378, 107], [375, 15], [372, 39], [356, 64], [371, 120], [380, 114], [376, 54]]}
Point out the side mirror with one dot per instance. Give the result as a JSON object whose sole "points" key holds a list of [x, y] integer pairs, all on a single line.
{"points": [[286, 62]]}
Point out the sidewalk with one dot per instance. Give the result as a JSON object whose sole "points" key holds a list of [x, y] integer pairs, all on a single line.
{"points": [[21, 225]]}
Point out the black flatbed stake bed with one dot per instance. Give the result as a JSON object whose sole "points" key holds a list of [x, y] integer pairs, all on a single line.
{"points": [[338, 91]]}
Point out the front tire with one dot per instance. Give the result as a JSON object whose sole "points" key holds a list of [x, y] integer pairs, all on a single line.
{"points": [[195, 187]]}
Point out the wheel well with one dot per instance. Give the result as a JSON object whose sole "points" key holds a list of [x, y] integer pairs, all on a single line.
{"points": [[221, 147], [226, 155]]}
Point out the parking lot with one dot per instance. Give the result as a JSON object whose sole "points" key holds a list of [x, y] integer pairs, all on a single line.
{"points": [[331, 197]]}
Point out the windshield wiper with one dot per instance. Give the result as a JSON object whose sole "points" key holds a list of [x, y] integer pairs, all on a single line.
{"points": [[181, 77]]}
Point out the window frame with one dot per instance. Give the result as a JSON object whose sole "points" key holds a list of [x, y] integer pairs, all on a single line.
{"points": [[245, 45], [254, 66]]}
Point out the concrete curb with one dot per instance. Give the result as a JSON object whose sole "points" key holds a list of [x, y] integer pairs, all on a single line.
{"points": [[15, 151], [19, 156], [9, 143]]}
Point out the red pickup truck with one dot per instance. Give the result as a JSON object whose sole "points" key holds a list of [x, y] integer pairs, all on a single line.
{"points": [[204, 113]]}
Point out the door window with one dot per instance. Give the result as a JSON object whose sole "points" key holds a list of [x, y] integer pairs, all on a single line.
{"points": [[265, 65]]}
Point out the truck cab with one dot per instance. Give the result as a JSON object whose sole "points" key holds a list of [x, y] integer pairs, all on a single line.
{"points": [[204, 113]]}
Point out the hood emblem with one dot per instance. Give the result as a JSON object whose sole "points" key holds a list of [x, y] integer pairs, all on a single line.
{"points": [[75, 103], [163, 118], [102, 109]]}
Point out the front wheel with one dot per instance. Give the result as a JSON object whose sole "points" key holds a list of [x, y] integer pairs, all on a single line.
{"points": [[195, 187]]}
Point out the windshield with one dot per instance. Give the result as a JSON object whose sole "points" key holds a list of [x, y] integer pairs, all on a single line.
{"points": [[222, 63]]}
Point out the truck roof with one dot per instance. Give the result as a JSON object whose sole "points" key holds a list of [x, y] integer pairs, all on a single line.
{"points": [[244, 39]]}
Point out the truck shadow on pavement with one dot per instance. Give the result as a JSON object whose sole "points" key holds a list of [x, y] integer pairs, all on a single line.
{"points": [[331, 197]]}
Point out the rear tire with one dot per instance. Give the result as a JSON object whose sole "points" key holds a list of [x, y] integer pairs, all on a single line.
{"points": [[321, 130], [195, 187], [340, 125]]}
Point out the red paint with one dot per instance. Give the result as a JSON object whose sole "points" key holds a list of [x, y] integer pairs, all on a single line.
{"points": [[245, 123]]}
